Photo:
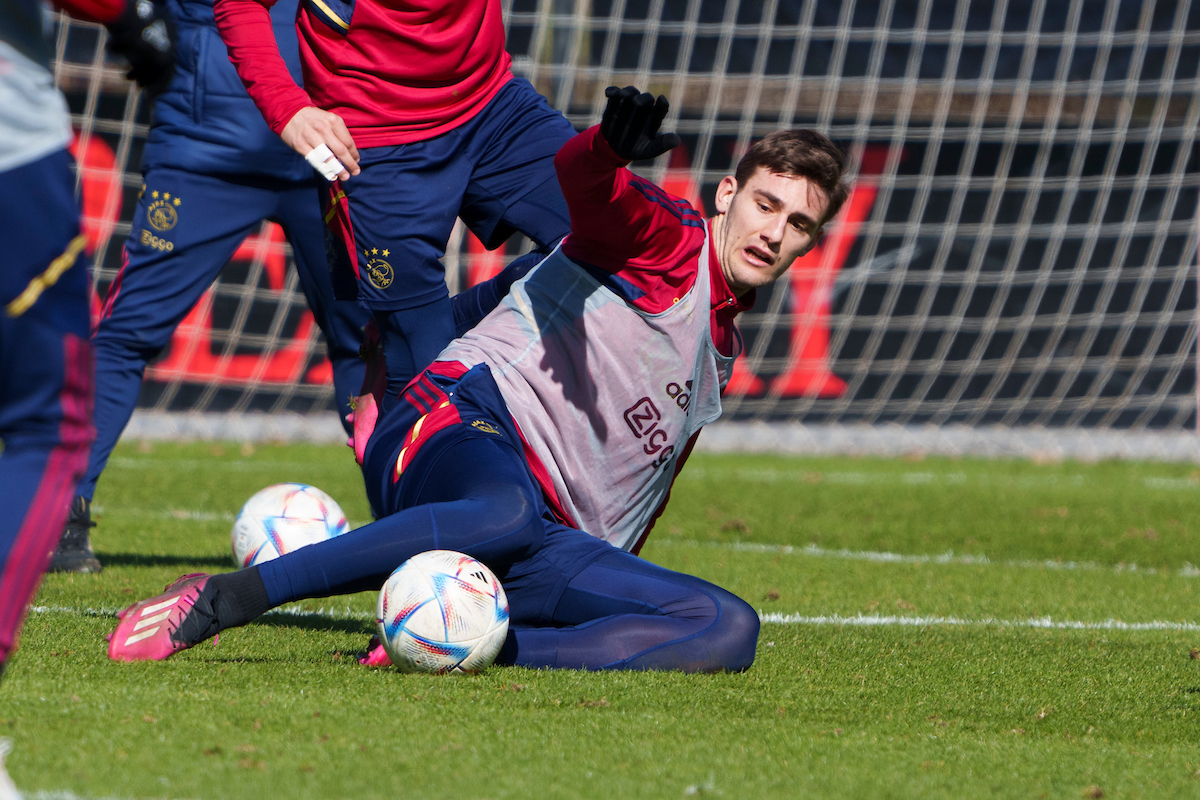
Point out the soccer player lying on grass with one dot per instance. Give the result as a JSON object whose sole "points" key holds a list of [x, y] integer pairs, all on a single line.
{"points": [[544, 442]]}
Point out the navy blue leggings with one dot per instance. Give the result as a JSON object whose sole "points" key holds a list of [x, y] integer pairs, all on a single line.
{"points": [[618, 611], [575, 601]]}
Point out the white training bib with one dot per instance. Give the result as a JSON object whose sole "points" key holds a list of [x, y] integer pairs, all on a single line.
{"points": [[607, 396]]}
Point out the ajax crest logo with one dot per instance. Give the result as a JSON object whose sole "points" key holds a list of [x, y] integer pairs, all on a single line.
{"points": [[379, 271], [161, 215]]}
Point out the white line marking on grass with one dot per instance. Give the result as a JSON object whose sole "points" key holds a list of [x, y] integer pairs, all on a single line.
{"points": [[344, 612], [239, 465], [880, 557], [1173, 484], [751, 474], [859, 620], [65, 795], [174, 513], [873, 620], [82, 612], [916, 478], [333, 613], [184, 514], [949, 557], [922, 478]]}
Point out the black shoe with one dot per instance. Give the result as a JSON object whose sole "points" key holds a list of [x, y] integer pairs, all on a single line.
{"points": [[74, 551]]}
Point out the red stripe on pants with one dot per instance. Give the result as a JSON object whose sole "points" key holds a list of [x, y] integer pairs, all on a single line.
{"points": [[43, 522]]}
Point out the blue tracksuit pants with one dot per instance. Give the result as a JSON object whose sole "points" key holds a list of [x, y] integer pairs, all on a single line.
{"points": [[185, 229]]}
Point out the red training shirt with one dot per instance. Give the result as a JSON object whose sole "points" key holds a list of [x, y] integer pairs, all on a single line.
{"points": [[396, 71]]}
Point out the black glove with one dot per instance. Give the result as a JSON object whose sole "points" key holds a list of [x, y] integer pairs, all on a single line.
{"points": [[630, 124], [146, 37]]}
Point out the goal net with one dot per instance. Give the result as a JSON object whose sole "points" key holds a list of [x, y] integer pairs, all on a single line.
{"points": [[1018, 253]]}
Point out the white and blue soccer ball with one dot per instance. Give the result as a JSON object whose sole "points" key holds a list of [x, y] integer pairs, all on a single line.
{"points": [[283, 518], [442, 611]]}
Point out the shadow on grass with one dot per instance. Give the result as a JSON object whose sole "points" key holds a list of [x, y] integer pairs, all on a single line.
{"points": [[334, 656], [161, 560], [209, 658], [315, 622]]}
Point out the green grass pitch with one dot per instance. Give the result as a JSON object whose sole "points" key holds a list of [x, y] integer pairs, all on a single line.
{"points": [[935, 628]]}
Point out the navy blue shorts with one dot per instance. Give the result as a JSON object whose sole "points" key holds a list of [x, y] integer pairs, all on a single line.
{"points": [[390, 224], [434, 412], [187, 226]]}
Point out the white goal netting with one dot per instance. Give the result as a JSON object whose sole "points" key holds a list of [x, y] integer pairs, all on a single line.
{"points": [[1019, 250]]}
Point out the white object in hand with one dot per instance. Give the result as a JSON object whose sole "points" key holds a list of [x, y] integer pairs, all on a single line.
{"points": [[325, 162]]}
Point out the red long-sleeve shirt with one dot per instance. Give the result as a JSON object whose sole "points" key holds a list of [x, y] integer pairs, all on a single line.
{"points": [[396, 71], [631, 228]]}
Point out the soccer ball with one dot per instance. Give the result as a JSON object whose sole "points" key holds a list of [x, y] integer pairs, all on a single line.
{"points": [[283, 518], [442, 611]]}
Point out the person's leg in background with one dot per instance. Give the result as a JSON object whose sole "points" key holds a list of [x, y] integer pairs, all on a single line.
{"points": [[342, 321], [390, 224], [514, 186], [185, 229]]}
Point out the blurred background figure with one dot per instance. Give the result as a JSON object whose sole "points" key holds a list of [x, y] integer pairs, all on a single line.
{"points": [[45, 356]]}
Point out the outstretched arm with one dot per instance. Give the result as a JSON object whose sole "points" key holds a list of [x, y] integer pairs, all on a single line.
{"points": [[619, 222], [245, 25]]}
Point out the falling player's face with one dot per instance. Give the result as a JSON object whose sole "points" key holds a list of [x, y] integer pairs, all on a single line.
{"points": [[764, 226]]}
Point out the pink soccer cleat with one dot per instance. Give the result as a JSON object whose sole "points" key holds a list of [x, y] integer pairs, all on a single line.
{"points": [[148, 629], [376, 656]]}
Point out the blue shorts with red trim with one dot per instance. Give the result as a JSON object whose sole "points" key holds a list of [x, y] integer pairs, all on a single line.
{"points": [[444, 405]]}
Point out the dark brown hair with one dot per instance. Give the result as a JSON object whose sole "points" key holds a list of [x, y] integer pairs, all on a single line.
{"points": [[805, 153]]}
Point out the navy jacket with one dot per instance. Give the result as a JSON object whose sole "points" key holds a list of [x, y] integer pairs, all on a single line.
{"points": [[205, 122]]}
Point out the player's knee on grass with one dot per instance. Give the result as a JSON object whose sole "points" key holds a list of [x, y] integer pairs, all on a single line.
{"points": [[735, 636], [722, 638], [622, 613]]}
